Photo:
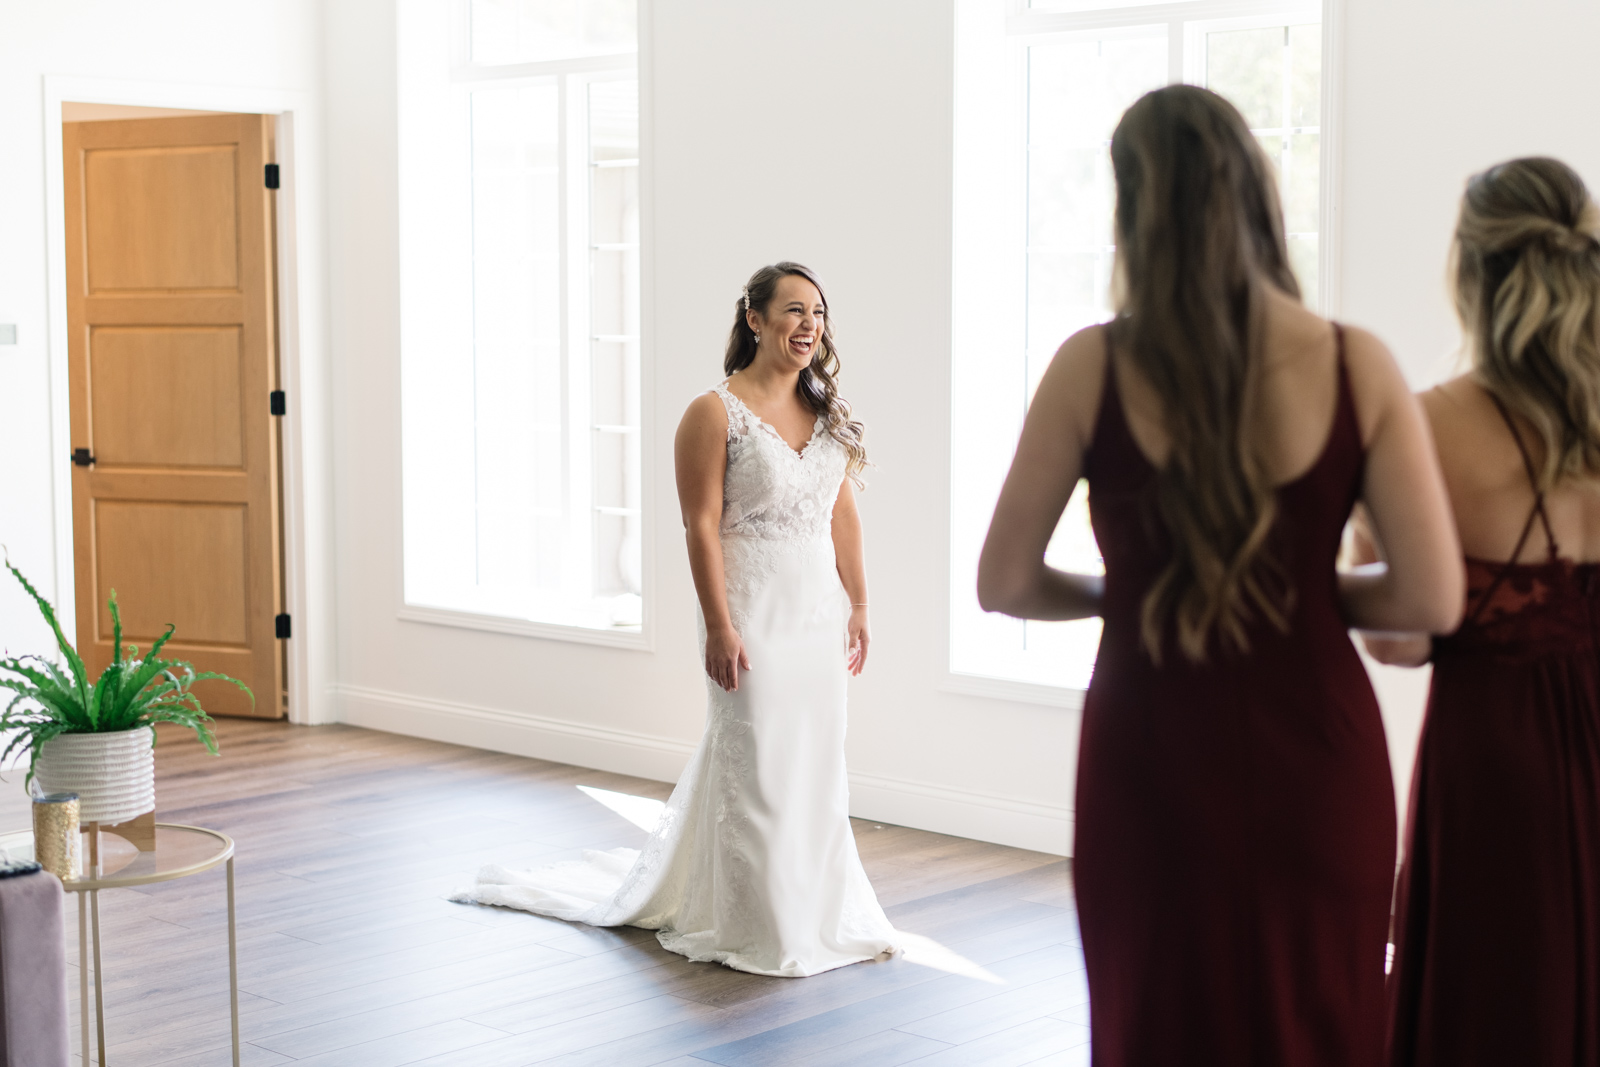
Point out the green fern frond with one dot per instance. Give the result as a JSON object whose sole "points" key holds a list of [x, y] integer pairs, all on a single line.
{"points": [[116, 630], [80, 674], [155, 649], [130, 693]]}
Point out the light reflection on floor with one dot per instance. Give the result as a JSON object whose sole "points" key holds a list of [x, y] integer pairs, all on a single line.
{"points": [[927, 952], [923, 951], [641, 811]]}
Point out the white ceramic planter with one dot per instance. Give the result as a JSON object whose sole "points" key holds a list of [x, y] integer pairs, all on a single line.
{"points": [[113, 774]]}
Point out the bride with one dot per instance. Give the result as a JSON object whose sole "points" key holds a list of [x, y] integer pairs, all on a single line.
{"points": [[752, 863]]}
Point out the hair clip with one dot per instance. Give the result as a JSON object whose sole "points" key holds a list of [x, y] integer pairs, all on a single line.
{"points": [[747, 298]]}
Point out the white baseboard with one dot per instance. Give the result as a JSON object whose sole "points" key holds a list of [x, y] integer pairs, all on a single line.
{"points": [[923, 806], [520, 733], [963, 813]]}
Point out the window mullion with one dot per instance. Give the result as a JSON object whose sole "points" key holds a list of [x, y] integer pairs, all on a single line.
{"points": [[578, 569], [1286, 141]]}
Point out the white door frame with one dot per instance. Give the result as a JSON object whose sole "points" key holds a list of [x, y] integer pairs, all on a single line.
{"points": [[301, 347]]}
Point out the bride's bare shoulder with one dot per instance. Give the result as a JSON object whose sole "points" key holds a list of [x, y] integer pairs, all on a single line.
{"points": [[705, 417], [706, 404]]}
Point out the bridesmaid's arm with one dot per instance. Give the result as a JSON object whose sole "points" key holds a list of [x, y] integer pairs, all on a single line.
{"points": [[700, 454], [1397, 650], [1420, 586], [848, 550], [1012, 575]]}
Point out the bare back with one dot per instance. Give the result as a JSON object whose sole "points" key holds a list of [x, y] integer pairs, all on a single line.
{"points": [[1299, 393], [1421, 588], [1489, 487]]}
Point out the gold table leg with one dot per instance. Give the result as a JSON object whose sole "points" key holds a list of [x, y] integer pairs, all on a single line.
{"points": [[233, 967], [83, 977], [99, 1002]]}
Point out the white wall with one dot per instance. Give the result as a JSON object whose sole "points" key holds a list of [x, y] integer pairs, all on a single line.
{"points": [[205, 54], [1434, 92], [825, 139], [828, 139]]}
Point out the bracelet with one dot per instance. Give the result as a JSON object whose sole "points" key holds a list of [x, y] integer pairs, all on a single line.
{"points": [[858, 605]]}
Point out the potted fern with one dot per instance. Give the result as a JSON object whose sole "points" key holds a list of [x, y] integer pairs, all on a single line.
{"points": [[95, 738]]}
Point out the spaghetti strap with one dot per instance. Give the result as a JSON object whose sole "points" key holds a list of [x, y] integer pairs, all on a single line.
{"points": [[1111, 404], [1536, 512], [1108, 388], [1533, 483], [1346, 410]]}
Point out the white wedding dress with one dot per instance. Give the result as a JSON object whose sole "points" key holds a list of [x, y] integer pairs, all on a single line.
{"points": [[752, 863]]}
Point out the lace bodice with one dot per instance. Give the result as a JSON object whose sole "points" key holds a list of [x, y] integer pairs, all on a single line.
{"points": [[1527, 611], [772, 492]]}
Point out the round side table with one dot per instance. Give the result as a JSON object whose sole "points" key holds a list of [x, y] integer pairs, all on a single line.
{"points": [[180, 851]]}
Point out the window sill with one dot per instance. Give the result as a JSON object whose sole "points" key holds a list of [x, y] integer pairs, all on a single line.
{"points": [[977, 685], [629, 637]]}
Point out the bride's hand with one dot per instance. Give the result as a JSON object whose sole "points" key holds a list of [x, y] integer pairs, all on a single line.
{"points": [[859, 637], [725, 657]]}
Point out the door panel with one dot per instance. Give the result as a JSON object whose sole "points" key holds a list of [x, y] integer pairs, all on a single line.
{"points": [[162, 217], [170, 312], [172, 396], [142, 550]]}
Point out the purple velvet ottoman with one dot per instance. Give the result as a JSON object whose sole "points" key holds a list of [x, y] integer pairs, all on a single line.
{"points": [[33, 972]]}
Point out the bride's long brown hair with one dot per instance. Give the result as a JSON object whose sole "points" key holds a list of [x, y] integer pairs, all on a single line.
{"points": [[819, 382], [1199, 238]]}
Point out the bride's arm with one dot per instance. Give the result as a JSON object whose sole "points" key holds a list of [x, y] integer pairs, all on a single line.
{"points": [[848, 550], [700, 454], [1012, 576]]}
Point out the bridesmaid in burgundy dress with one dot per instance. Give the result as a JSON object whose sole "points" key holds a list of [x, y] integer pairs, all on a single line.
{"points": [[1235, 811], [1498, 922]]}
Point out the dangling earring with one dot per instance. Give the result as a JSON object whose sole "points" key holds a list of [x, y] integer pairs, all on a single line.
{"points": [[758, 338]]}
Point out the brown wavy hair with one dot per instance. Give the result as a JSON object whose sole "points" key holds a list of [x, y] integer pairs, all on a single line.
{"points": [[1527, 288], [1199, 239], [818, 386]]}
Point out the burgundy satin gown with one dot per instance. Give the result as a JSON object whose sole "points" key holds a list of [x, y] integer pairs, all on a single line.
{"points": [[1497, 955], [1235, 849]]}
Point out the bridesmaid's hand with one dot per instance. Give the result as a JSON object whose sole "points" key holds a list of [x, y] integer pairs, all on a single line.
{"points": [[1398, 650], [859, 638], [725, 657]]}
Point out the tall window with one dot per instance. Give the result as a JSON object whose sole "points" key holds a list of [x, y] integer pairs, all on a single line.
{"points": [[1045, 85], [520, 318]]}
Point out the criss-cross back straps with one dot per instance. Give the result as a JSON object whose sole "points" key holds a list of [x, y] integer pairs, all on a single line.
{"points": [[1536, 512]]}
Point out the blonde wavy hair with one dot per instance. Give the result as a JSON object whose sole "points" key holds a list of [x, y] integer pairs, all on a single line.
{"points": [[1527, 288], [819, 383]]}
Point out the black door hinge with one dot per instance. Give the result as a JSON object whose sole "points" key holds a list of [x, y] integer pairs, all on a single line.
{"points": [[82, 457], [281, 627], [272, 175], [280, 403]]}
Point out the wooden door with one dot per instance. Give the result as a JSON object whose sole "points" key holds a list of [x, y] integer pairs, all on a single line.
{"points": [[170, 316]]}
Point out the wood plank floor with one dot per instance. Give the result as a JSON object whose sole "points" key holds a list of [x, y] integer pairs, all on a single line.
{"points": [[350, 956]]}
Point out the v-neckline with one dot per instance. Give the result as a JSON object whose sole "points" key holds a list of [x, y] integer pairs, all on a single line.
{"points": [[797, 453]]}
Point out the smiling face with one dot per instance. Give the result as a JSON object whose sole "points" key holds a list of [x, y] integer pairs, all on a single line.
{"points": [[791, 329]]}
